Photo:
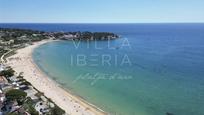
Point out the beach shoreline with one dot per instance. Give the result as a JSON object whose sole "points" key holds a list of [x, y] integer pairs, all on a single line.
{"points": [[22, 61]]}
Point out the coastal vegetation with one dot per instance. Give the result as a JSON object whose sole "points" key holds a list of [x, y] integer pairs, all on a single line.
{"points": [[57, 111], [7, 73], [12, 39], [89, 36], [28, 105], [12, 114], [16, 95], [18, 36], [2, 51]]}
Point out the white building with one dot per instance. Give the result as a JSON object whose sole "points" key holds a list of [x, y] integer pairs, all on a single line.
{"points": [[1, 67], [42, 107]]}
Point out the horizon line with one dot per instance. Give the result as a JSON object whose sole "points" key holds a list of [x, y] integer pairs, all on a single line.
{"points": [[101, 23]]}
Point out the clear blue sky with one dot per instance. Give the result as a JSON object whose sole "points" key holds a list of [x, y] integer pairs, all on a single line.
{"points": [[101, 11]]}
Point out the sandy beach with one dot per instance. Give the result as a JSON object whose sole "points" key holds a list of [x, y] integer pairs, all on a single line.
{"points": [[73, 105]]}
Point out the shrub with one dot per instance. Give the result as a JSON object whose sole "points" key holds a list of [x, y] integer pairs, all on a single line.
{"points": [[7, 73], [57, 111], [16, 94], [12, 114], [32, 111], [25, 83]]}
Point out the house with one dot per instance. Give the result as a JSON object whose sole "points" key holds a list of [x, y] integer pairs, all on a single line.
{"points": [[10, 107], [2, 99], [23, 37], [21, 111], [32, 94], [68, 36], [3, 82], [15, 84], [6, 87], [7, 42], [2, 96], [11, 41], [1, 67], [44, 98], [14, 79], [24, 87], [42, 107], [35, 35]]}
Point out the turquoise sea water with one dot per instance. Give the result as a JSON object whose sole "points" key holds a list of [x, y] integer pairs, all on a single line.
{"points": [[153, 69]]}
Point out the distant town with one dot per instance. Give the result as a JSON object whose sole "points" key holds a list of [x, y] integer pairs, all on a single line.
{"points": [[18, 38]]}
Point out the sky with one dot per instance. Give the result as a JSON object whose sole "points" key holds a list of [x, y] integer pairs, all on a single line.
{"points": [[101, 11]]}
